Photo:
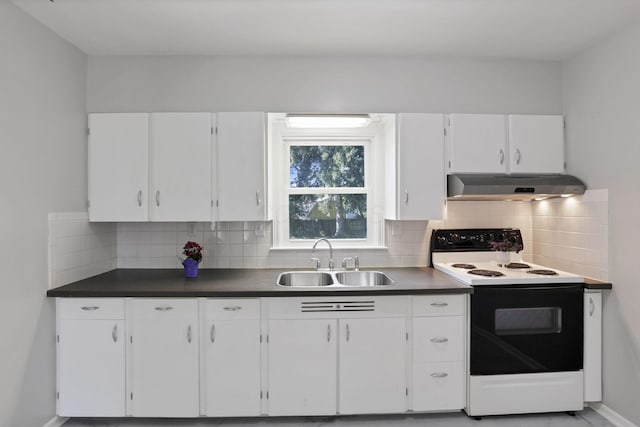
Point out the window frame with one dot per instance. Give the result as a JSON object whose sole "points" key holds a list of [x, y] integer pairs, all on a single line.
{"points": [[280, 141]]}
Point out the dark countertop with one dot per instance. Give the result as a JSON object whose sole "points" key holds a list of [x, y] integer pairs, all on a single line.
{"points": [[246, 283], [596, 284]]}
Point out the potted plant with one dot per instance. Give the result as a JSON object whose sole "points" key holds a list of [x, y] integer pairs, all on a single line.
{"points": [[503, 249], [193, 253]]}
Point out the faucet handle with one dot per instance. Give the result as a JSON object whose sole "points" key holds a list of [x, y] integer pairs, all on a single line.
{"points": [[317, 260], [344, 262], [356, 262]]}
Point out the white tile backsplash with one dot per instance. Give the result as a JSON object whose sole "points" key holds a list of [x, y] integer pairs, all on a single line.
{"points": [[79, 249]]}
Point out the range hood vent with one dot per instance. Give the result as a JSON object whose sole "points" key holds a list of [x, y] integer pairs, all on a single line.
{"points": [[512, 187]]}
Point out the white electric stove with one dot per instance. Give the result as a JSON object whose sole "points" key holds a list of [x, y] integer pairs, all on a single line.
{"points": [[525, 324]]}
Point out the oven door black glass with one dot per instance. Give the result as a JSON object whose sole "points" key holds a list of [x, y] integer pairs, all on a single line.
{"points": [[518, 329]]}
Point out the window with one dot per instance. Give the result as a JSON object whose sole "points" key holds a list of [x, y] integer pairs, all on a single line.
{"points": [[326, 183]]}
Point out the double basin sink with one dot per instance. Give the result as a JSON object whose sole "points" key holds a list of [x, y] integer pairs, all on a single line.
{"points": [[313, 279]]}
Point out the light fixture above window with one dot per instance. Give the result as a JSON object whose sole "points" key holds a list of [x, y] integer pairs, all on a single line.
{"points": [[327, 121]]}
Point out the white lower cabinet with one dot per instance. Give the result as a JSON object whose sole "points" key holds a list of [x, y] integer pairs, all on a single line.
{"points": [[227, 357], [163, 357], [91, 357], [231, 358], [302, 366], [372, 361], [439, 338], [593, 346]]}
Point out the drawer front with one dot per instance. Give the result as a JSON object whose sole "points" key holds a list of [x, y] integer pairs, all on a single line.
{"points": [[438, 386], [233, 308], [163, 308], [90, 308], [337, 307], [438, 339], [439, 305]]}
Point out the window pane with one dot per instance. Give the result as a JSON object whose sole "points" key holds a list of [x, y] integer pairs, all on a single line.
{"points": [[326, 166], [336, 216]]}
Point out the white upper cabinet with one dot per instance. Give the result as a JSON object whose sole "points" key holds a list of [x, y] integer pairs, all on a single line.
{"points": [[153, 167], [477, 143], [118, 167], [241, 145], [495, 143], [180, 167], [415, 173], [536, 144]]}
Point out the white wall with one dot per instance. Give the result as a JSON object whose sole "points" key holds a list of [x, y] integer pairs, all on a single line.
{"points": [[372, 84], [601, 89], [42, 169]]}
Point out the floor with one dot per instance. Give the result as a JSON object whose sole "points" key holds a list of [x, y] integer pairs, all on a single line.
{"points": [[587, 418]]}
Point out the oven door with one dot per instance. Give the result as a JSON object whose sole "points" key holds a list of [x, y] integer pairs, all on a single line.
{"points": [[518, 329]]}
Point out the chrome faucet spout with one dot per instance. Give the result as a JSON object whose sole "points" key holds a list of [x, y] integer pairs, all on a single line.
{"points": [[331, 264]]}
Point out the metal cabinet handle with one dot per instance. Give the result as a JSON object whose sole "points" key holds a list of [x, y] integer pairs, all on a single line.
{"points": [[518, 156], [164, 308], [592, 307], [439, 375], [258, 197], [328, 333], [439, 340], [157, 197], [501, 156], [232, 308], [439, 304], [212, 334], [348, 332], [406, 197], [139, 197], [189, 334], [114, 333], [89, 307]]}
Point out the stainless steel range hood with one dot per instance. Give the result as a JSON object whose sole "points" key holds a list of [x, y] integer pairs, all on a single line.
{"points": [[512, 187]]}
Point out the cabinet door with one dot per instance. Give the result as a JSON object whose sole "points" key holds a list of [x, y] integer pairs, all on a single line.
{"points": [[302, 367], [420, 166], [593, 346], [91, 368], [241, 166], [232, 365], [164, 358], [372, 360], [536, 144], [180, 167], [117, 167], [477, 143]]}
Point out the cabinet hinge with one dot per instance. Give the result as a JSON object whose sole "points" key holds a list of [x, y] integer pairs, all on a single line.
{"points": [[449, 164], [445, 131], [212, 131], [211, 203], [58, 395], [131, 339], [57, 338], [217, 203], [564, 165], [407, 336], [131, 396], [260, 337], [406, 391], [216, 130], [267, 343], [564, 123], [260, 394], [267, 395]]}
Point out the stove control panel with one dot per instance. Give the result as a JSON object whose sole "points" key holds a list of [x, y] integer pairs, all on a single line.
{"points": [[474, 239]]}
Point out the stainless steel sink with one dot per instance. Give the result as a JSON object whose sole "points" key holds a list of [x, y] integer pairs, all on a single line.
{"points": [[363, 278], [312, 279], [305, 278]]}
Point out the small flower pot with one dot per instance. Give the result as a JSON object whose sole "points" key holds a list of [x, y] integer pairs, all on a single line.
{"points": [[190, 267]]}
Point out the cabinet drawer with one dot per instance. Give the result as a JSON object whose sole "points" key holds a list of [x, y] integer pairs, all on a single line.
{"points": [[438, 386], [241, 308], [163, 308], [438, 339], [90, 308], [439, 305]]}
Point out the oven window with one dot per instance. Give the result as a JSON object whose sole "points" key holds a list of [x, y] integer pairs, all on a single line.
{"points": [[528, 321]]}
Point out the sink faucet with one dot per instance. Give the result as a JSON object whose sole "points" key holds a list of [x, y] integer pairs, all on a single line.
{"points": [[331, 264]]}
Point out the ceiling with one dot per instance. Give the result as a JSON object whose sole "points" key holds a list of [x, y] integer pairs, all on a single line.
{"points": [[526, 29]]}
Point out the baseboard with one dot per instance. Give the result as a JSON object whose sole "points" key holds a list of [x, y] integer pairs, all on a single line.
{"points": [[55, 422], [611, 415]]}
